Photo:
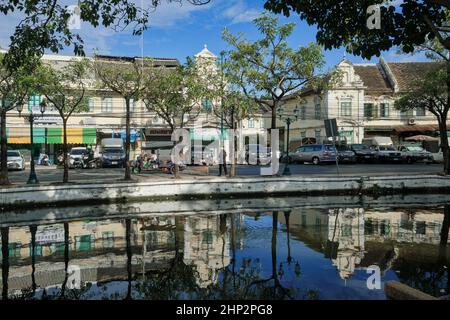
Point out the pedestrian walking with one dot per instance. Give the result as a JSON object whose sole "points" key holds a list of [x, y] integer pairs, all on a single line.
{"points": [[222, 161]]}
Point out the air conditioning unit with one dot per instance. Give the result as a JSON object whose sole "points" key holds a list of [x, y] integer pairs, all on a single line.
{"points": [[412, 121]]}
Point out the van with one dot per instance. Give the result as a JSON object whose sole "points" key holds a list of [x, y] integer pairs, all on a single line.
{"points": [[112, 153], [315, 153]]}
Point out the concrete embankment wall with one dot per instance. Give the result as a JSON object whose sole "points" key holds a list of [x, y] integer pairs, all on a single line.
{"points": [[219, 188]]}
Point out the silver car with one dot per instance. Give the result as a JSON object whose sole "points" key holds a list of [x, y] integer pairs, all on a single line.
{"points": [[15, 160], [315, 153]]}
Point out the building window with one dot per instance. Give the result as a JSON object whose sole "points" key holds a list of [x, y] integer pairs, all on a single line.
{"points": [[317, 135], [107, 104], [384, 110], [368, 110], [251, 123], [108, 239], [302, 134], [91, 104], [303, 112], [346, 109], [420, 111], [131, 105], [317, 111]]}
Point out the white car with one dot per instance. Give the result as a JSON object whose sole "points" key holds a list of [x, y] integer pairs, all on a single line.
{"points": [[15, 160]]}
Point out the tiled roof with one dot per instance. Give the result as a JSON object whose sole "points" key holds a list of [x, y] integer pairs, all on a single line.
{"points": [[407, 72], [373, 79]]}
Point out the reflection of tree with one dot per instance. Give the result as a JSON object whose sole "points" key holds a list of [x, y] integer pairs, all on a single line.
{"points": [[432, 276], [5, 262]]}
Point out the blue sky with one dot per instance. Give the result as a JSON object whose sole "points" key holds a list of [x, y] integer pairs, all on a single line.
{"points": [[177, 31]]}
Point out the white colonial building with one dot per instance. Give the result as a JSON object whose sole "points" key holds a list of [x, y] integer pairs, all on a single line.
{"points": [[362, 104]]}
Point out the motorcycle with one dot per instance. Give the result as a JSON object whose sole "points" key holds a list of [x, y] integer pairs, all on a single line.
{"points": [[44, 160]]}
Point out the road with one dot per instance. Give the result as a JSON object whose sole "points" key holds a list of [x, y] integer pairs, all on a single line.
{"points": [[53, 174]]}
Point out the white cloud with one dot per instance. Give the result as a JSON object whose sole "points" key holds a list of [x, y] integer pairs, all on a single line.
{"points": [[239, 12]]}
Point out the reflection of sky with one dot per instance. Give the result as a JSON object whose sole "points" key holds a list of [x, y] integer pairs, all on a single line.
{"points": [[317, 272]]}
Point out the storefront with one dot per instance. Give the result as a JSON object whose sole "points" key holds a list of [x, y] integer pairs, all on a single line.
{"points": [[49, 140]]}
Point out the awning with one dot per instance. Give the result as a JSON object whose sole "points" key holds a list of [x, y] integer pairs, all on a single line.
{"points": [[22, 135], [416, 128], [52, 135]]}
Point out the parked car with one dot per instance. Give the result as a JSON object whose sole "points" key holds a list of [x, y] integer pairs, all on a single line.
{"points": [[76, 156], [363, 152], [15, 160], [258, 154], [345, 154], [202, 157], [315, 153], [415, 153], [388, 154]]}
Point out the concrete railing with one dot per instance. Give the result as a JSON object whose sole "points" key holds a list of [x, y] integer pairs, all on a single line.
{"points": [[220, 188]]}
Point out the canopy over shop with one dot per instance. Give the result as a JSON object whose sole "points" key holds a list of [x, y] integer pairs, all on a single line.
{"points": [[51, 135]]}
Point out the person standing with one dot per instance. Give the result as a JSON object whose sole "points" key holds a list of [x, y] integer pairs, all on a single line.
{"points": [[222, 161]]}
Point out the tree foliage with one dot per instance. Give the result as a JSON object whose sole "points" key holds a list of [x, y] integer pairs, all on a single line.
{"points": [[267, 69], [44, 24], [407, 24], [124, 77], [65, 91], [175, 94]]}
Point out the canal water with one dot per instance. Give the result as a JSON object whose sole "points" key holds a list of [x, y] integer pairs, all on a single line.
{"points": [[306, 248]]}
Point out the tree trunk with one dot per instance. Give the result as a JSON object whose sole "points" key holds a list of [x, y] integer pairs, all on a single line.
{"points": [[4, 149], [127, 141], [445, 226], [234, 148], [65, 160], [444, 137], [444, 142], [274, 115]]}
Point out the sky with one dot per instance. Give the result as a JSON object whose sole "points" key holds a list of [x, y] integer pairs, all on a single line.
{"points": [[178, 31]]}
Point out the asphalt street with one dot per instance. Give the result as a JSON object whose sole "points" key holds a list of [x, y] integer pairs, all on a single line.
{"points": [[53, 174]]}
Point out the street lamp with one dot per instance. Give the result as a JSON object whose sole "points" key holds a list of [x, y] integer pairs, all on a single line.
{"points": [[32, 179], [288, 118]]}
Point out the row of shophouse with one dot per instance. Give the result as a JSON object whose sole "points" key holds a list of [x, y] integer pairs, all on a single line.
{"points": [[363, 105]]}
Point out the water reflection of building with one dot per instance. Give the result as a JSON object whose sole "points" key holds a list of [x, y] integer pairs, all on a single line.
{"points": [[356, 238], [206, 246], [346, 239], [99, 249]]}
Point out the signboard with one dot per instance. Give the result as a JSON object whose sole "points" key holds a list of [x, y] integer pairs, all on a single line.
{"points": [[50, 236], [48, 119], [133, 135], [331, 128]]}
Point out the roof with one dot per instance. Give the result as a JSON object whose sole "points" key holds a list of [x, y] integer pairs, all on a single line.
{"points": [[373, 78], [407, 72], [205, 53]]}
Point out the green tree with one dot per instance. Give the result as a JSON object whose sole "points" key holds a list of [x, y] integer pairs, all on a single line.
{"points": [[14, 88], [409, 24], [267, 69], [175, 95], [124, 77], [65, 90], [45, 24], [430, 92], [406, 23], [231, 108]]}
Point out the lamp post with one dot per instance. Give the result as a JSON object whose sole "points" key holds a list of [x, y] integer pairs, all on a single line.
{"points": [[32, 179], [288, 118]]}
